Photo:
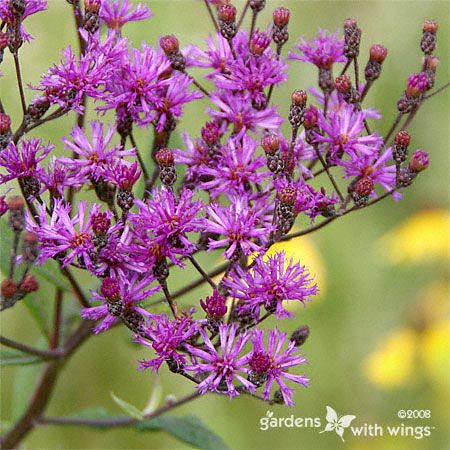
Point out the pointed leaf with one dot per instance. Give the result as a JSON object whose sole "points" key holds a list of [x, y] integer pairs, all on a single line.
{"points": [[128, 408]]}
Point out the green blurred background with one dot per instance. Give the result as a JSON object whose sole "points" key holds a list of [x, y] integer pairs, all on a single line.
{"points": [[380, 328]]}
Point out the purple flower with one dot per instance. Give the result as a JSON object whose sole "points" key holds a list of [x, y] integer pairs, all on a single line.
{"points": [[214, 306], [323, 51], [66, 84], [119, 297], [268, 284], [57, 178], [23, 160], [223, 365], [170, 104], [95, 155], [236, 167], [167, 337], [238, 111], [271, 364], [165, 221], [65, 237], [116, 13], [342, 132], [238, 224], [138, 83], [122, 173]]}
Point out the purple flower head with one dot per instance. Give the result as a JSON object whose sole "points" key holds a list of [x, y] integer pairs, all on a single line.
{"points": [[122, 173], [167, 337], [238, 111], [221, 366], [57, 178], [23, 160], [116, 13], [138, 83], [419, 161], [214, 306], [272, 364], [238, 224], [323, 51], [170, 103], [236, 169], [373, 168], [95, 156], [343, 132], [317, 202], [165, 220], [64, 237], [66, 84], [269, 284], [119, 296], [253, 73]]}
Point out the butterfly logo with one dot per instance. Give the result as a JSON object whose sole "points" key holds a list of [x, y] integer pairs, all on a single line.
{"points": [[336, 423]]}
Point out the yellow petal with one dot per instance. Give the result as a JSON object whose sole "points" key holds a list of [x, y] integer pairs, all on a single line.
{"points": [[391, 365], [424, 236]]}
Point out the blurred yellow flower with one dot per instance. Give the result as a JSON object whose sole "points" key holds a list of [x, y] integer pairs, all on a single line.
{"points": [[424, 236], [392, 364]]}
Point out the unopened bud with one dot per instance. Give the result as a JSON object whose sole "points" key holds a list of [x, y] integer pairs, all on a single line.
{"points": [[16, 203], [169, 44], [378, 53], [311, 117], [227, 13], [430, 26], [419, 161], [29, 284], [257, 5], [300, 335], [288, 195], [164, 157], [402, 138], [8, 288], [110, 289], [281, 17], [270, 143], [343, 84], [299, 98]]}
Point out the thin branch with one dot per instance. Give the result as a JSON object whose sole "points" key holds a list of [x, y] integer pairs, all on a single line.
{"points": [[76, 287], [45, 354], [393, 127], [202, 272], [19, 82], [244, 12], [169, 298], [116, 422], [211, 14], [437, 91], [139, 157]]}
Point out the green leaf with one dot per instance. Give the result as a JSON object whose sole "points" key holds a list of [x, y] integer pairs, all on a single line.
{"points": [[49, 271], [17, 358], [189, 429], [128, 408]]}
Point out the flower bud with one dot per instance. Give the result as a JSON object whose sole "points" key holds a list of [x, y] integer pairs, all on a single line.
{"points": [[288, 195], [419, 161], [378, 53], [29, 284], [402, 138], [16, 203], [259, 42], [300, 335], [311, 117], [417, 84], [227, 13], [210, 133], [169, 44], [100, 223], [364, 186], [215, 306], [92, 6], [257, 5], [299, 98], [343, 84], [270, 143], [430, 26], [5, 123], [350, 23], [281, 16], [164, 157], [8, 288]]}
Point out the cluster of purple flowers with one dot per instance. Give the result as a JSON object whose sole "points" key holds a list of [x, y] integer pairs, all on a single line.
{"points": [[244, 185]]}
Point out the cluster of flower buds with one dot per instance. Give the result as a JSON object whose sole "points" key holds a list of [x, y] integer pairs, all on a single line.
{"points": [[298, 108]]}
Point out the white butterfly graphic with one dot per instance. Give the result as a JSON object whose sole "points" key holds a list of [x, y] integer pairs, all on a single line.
{"points": [[339, 424]]}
